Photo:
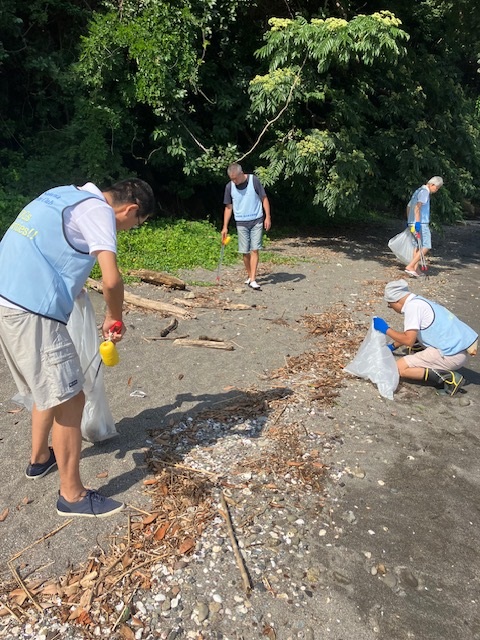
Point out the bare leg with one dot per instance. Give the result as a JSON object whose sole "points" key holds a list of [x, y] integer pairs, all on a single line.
{"points": [[246, 262], [412, 266], [410, 373], [253, 264], [42, 422], [67, 444]]}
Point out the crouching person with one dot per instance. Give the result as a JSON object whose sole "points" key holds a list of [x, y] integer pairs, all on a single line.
{"points": [[445, 341]]}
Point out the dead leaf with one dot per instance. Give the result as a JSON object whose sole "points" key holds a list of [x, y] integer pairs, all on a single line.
{"points": [[150, 481], [27, 500], [187, 545], [126, 633], [136, 621], [102, 474], [87, 580], [149, 519], [269, 632], [162, 530], [294, 463], [4, 514], [50, 589]]}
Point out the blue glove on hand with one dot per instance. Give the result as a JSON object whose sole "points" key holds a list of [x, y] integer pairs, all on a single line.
{"points": [[380, 325], [392, 347], [418, 227]]}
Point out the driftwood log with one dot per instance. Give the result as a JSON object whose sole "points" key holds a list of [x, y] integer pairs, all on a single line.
{"points": [[213, 304], [209, 344], [145, 303], [158, 277]]}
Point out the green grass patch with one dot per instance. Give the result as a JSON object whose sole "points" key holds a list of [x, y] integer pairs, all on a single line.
{"points": [[170, 245]]}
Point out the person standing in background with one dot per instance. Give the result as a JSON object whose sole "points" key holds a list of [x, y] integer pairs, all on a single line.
{"points": [[245, 197], [418, 215]]}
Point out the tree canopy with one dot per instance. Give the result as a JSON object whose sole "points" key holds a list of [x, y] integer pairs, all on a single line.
{"points": [[340, 109]]}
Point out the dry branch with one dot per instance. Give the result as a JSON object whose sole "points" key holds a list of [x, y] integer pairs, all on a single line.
{"points": [[213, 304], [159, 278], [247, 585], [144, 303], [211, 344]]}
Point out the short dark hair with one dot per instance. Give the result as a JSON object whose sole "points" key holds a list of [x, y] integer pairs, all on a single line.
{"points": [[134, 191]]}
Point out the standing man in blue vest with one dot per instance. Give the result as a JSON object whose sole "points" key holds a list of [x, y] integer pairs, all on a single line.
{"points": [[245, 197], [445, 341], [418, 215], [45, 258]]}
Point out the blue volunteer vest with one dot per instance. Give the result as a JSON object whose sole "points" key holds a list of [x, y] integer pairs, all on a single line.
{"points": [[424, 210], [447, 333], [39, 270], [246, 203]]}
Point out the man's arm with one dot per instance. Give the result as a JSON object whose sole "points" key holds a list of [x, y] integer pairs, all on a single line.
{"points": [[112, 291], [227, 214], [266, 207], [417, 209], [407, 338]]}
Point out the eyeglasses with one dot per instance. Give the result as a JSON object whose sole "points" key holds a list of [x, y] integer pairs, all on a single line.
{"points": [[140, 220]]}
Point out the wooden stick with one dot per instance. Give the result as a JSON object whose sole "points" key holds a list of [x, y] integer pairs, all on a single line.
{"points": [[23, 586], [45, 537], [12, 613], [213, 304], [158, 277], [148, 338], [145, 303], [247, 585], [182, 466], [210, 344]]}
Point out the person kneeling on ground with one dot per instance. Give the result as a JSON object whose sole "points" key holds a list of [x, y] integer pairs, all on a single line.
{"points": [[447, 340]]}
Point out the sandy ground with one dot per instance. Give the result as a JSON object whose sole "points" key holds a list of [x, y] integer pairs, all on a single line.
{"points": [[408, 469]]}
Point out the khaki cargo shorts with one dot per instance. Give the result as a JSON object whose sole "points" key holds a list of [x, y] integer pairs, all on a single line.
{"points": [[41, 357], [431, 358]]}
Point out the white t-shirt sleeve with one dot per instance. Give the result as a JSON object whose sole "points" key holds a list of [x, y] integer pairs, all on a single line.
{"points": [[90, 225], [418, 315], [96, 223]]}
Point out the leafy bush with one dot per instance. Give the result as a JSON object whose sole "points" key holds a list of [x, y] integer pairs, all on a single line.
{"points": [[170, 245]]}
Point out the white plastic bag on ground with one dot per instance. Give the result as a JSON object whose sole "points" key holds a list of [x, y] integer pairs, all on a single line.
{"points": [[402, 246], [97, 420], [374, 361]]}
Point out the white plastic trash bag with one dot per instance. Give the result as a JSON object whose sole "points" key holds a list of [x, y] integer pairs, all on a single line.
{"points": [[402, 246], [374, 361], [97, 421]]}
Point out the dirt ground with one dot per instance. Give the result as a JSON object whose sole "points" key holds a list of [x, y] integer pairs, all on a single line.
{"points": [[402, 491]]}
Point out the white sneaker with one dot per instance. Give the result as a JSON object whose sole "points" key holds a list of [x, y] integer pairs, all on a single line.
{"points": [[247, 281], [254, 284]]}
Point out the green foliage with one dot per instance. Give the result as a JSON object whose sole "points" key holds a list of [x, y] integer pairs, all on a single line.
{"points": [[309, 63], [345, 108], [170, 245]]}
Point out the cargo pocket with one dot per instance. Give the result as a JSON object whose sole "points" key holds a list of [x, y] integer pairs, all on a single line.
{"points": [[65, 377]]}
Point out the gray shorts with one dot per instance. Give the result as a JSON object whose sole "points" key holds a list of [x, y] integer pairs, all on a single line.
{"points": [[431, 358], [41, 357], [426, 237], [250, 239]]}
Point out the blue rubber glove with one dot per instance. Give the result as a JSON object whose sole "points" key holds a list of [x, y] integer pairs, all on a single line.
{"points": [[392, 347], [380, 325], [418, 227]]}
